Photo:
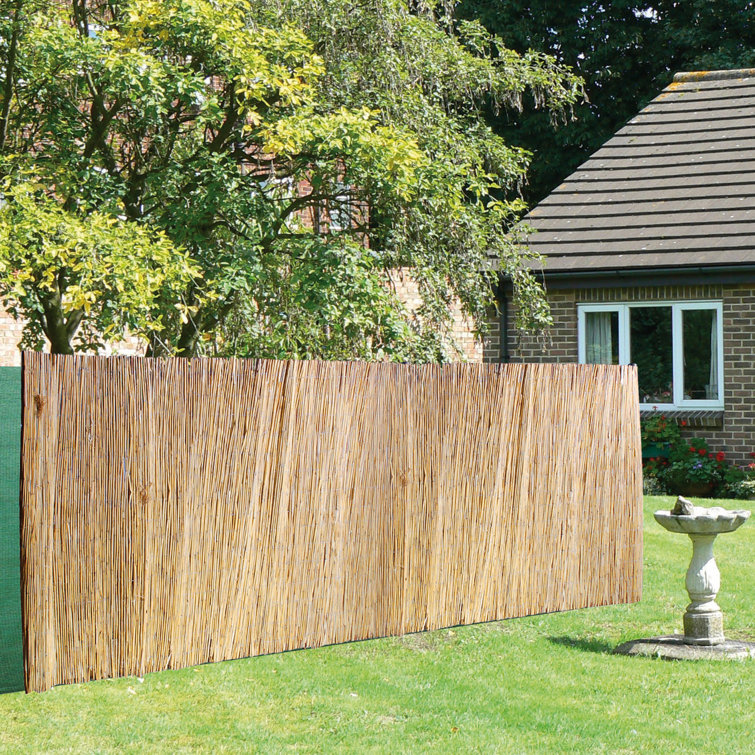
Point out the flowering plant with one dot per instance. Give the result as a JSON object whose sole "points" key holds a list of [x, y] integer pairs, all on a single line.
{"points": [[693, 462], [655, 466]]}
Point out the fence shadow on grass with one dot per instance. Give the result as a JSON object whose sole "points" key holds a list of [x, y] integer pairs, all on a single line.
{"points": [[579, 643]]}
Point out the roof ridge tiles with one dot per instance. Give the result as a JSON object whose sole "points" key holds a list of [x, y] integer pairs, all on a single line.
{"points": [[739, 73]]}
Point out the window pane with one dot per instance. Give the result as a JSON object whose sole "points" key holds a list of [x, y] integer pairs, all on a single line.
{"points": [[602, 337], [651, 350], [700, 334]]}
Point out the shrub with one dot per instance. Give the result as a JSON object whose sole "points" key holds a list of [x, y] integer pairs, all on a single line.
{"points": [[693, 462], [657, 428], [739, 482]]}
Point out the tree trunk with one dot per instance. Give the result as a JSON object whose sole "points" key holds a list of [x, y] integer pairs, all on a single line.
{"points": [[9, 73], [56, 331], [187, 341], [59, 330]]}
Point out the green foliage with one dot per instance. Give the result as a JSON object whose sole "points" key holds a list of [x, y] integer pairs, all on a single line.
{"points": [[333, 302], [690, 461], [416, 67], [693, 462], [739, 482], [268, 141], [626, 51], [658, 428], [89, 275]]}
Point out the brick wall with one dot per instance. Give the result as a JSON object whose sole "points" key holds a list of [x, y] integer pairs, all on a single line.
{"points": [[491, 344], [463, 328], [736, 434], [10, 336], [558, 344]]}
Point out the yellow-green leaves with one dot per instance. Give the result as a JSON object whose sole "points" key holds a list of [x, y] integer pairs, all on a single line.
{"points": [[216, 39], [370, 151], [117, 274]]}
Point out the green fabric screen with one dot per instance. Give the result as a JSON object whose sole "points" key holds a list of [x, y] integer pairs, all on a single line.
{"points": [[11, 649]]}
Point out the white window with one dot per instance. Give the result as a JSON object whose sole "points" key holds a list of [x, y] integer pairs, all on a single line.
{"points": [[340, 208], [677, 347], [275, 187]]}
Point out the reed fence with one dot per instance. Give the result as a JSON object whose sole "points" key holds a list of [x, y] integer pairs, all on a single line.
{"points": [[182, 511]]}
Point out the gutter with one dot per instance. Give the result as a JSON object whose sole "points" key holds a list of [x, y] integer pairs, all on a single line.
{"points": [[628, 277]]}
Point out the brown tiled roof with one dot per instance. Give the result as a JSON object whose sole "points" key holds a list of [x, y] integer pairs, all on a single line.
{"points": [[673, 188]]}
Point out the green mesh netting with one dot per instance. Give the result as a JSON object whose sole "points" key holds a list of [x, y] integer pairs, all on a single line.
{"points": [[11, 652]]}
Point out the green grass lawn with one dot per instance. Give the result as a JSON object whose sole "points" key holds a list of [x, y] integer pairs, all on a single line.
{"points": [[538, 684]]}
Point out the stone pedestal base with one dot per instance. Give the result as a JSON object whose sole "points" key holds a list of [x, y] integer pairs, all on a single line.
{"points": [[674, 648], [703, 628]]}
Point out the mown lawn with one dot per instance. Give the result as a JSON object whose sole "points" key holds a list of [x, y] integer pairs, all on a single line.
{"points": [[533, 685]]}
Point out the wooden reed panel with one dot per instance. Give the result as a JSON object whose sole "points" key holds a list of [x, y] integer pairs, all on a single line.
{"points": [[182, 511]]}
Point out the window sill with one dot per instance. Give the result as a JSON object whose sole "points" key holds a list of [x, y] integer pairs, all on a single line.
{"points": [[692, 417]]}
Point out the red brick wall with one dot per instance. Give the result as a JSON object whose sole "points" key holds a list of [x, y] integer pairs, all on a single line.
{"points": [[737, 435]]}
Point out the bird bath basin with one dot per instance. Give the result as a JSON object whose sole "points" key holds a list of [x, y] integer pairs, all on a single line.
{"points": [[703, 619], [713, 521]]}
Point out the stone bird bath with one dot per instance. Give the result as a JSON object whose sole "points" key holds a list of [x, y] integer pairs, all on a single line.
{"points": [[703, 620]]}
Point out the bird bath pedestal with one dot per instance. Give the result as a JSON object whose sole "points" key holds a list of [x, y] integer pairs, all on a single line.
{"points": [[703, 621]]}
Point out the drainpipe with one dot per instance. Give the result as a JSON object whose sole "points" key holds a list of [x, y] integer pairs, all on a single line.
{"points": [[503, 323]]}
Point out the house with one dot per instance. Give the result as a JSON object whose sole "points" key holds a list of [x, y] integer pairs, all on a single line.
{"points": [[650, 259]]}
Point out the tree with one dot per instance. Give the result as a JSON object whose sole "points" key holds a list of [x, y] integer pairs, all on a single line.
{"points": [[261, 166], [71, 267], [626, 51], [88, 276]]}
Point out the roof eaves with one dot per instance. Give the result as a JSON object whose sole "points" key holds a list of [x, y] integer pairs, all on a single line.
{"points": [[658, 276]]}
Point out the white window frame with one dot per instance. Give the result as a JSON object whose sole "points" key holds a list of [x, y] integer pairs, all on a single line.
{"points": [[677, 308], [340, 213]]}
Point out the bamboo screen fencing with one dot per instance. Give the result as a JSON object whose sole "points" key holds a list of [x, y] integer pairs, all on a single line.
{"points": [[182, 511]]}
